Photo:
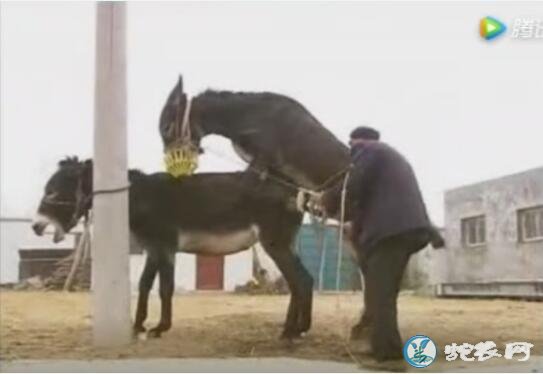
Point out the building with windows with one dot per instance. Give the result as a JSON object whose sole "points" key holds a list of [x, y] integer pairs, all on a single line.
{"points": [[494, 234]]}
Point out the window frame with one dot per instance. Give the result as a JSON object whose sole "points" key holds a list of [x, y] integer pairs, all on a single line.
{"points": [[521, 227], [464, 236]]}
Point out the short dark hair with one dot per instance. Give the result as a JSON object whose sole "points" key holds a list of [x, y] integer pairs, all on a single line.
{"points": [[364, 132]]}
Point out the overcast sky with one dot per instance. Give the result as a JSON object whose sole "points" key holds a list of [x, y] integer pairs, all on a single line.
{"points": [[460, 108]]}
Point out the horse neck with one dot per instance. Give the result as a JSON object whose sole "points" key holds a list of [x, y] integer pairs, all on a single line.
{"points": [[218, 113]]}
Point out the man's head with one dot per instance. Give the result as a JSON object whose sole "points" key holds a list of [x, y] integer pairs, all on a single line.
{"points": [[363, 134]]}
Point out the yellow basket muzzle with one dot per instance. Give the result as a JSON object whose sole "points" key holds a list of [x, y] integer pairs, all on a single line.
{"points": [[181, 161]]}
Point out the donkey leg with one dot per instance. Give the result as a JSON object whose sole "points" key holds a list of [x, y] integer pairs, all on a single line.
{"points": [[166, 270], [146, 283], [301, 291]]}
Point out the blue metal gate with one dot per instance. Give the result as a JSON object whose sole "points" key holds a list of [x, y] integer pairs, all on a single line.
{"points": [[309, 248]]}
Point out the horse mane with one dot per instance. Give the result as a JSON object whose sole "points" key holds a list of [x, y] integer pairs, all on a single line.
{"points": [[244, 96]]}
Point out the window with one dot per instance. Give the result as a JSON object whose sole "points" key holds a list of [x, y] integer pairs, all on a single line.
{"points": [[530, 224], [474, 231]]}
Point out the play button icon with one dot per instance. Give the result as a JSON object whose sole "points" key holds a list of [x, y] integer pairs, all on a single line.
{"points": [[490, 27]]}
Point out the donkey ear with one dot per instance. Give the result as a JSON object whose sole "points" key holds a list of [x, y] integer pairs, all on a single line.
{"points": [[66, 161], [85, 167], [86, 171], [180, 83]]}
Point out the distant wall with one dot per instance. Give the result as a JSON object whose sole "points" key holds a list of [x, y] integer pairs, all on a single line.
{"points": [[503, 257], [238, 269], [16, 233], [185, 272]]}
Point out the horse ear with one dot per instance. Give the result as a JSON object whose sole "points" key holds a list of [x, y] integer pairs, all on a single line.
{"points": [[180, 83]]}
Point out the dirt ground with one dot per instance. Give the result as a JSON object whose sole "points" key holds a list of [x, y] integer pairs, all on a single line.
{"points": [[45, 325]]}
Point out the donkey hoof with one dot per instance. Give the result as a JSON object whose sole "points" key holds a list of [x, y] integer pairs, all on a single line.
{"points": [[136, 331], [290, 335], [154, 333]]}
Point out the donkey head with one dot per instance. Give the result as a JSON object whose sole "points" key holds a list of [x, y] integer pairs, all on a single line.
{"points": [[171, 118], [67, 197]]}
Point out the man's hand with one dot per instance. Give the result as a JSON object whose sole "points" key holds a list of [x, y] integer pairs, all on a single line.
{"points": [[309, 201], [331, 201]]}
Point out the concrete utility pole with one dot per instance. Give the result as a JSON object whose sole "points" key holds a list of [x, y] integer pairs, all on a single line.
{"points": [[110, 245]]}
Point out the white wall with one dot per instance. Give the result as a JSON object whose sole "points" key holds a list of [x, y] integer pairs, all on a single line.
{"points": [[267, 263], [185, 272], [16, 234], [238, 269], [11, 235]]}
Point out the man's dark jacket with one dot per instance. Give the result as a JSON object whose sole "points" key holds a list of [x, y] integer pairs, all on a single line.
{"points": [[383, 195]]}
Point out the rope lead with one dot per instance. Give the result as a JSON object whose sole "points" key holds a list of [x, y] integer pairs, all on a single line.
{"points": [[341, 226]]}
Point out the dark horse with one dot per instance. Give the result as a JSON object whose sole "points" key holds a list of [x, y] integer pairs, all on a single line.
{"points": [[278, 135], [272, 132], [209, 214]]}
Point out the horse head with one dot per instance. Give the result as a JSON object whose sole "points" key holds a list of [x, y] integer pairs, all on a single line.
{"points": [[176, 109]]}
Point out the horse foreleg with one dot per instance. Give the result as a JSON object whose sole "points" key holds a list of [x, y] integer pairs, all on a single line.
{"points": [[166, 270], [306, 296], [146, 283]]}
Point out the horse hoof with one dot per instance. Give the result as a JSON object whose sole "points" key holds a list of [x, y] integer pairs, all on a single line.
{"points": [[388, 356], [141, 336], [361, 347], [359, 332], [385, 351]]}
